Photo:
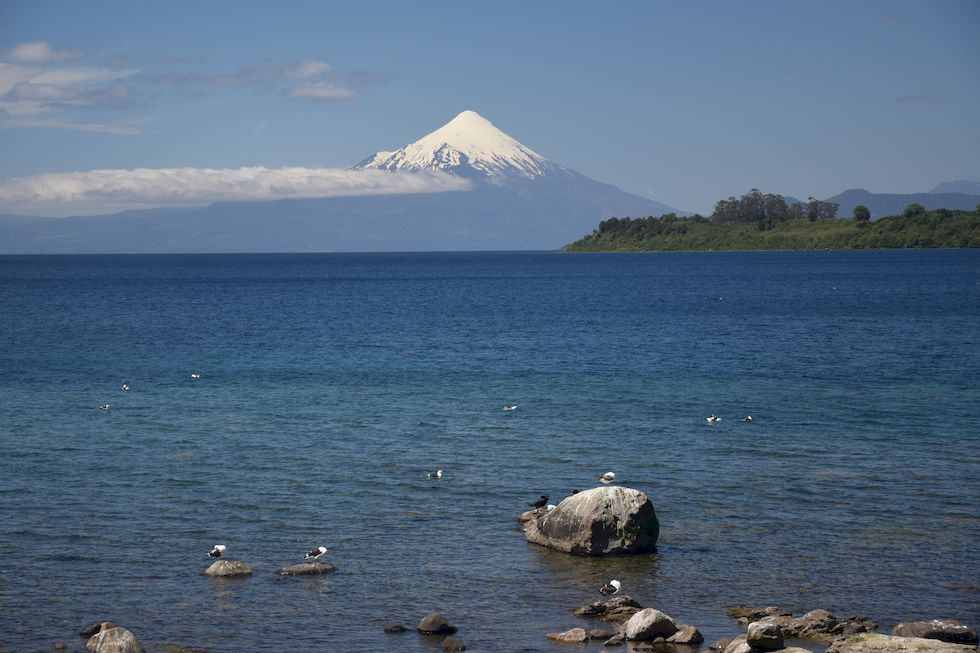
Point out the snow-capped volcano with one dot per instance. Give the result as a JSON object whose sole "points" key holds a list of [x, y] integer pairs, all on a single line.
{"points": [[467, 146]]}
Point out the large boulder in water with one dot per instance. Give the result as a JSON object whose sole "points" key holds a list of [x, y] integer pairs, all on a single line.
{"points": [[113, 640], [947, 630], [876, 643], [601, 521], [228, 569]]}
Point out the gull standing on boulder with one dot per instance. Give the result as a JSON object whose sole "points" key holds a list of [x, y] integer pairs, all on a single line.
{"points": [[607, 478], [315, 554], [540, 503], [216, 551], [610, 588]]}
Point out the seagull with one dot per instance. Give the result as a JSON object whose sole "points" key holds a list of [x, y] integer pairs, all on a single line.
{"points": [[316, 553], [217, 551], [195, 375], [103, 406], [747, 418], [550, 506], [435, 474], [510, 407], [607, 478], [540, 503], [713, 419], [610, 588], [125, 387]]}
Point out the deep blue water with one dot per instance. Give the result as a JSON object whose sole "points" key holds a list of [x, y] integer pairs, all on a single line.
{"points": [[330, 385]]}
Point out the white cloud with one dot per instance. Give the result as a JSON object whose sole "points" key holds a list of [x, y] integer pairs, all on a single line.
{"points": [[107, 191], [35, 91], [320, 91], [38, 52]]}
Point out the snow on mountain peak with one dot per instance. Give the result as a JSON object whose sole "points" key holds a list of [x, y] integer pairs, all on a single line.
{"points": [[468, 140]]}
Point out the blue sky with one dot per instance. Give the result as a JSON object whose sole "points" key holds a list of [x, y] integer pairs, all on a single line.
{"points": [[685, 102]]}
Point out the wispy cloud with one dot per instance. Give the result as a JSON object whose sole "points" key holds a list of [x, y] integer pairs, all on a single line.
{"points": [[38, 52], [311, 79], [922, 99], [38, 88], [106, 191], [320, 91]]}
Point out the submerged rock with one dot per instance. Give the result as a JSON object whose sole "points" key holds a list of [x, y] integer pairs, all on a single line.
{"points": [[618, 609], [435, 624], [453, 644], [648, 624], [227, 569], [947, 630], [395, 628], [114, 640], [600, 521], [878, 643], [573, 636], [307, 569]]}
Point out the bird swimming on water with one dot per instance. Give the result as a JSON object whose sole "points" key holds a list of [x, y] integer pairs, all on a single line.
{"points": [[610, 588], [217, 551], [125, 387], [510, 407], [435, 474], [608, 477], [540, 503], [103, 406], [195, 375], [713, 419], [747, 418], [316, 553]]}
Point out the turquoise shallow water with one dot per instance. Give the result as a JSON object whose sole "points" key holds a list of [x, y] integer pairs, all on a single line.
{"points": [[330, 384]]}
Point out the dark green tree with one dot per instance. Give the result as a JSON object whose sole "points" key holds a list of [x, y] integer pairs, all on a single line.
{"points": [[861, 213], [913, 210]]}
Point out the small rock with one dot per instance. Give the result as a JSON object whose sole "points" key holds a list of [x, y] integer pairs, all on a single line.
{"points": [[616, 640], [946, 630], [307, 569], [687, 635], [175, 648], [435, 624], [765, 635], [59, 646], [648, 624], [453, 644], [114, 640], [575, 635], [601, 633], [738, 645], [750, 614], [658, 641], [719, 644], [228, 569], [395, 628]]}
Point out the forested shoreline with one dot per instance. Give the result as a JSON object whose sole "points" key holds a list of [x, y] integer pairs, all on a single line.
{"points": [[758, 221]]}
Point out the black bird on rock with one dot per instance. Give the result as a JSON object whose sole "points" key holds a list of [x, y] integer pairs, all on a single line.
{"points": [[540, 503]]}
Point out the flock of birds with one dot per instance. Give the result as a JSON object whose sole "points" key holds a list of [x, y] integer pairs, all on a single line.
{"points": [[312, 554], [126, 388], [714, 419]]}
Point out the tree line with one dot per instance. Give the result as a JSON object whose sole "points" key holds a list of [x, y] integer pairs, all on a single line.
{"points": [[759, 221]]}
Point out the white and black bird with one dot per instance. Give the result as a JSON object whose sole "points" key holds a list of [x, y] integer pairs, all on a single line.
{"points": [[125, 387], [607, 478], [747, 418], [540, 503], [315, 554], [103, 406], [435, 474], [713, 419], [217, 551], [610, 588], [509, 407], [195, 375]]}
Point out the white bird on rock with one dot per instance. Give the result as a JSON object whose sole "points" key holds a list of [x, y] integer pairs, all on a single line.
{"points": [[610, 588], [608, 477], [314, 554], [217, 551]]}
